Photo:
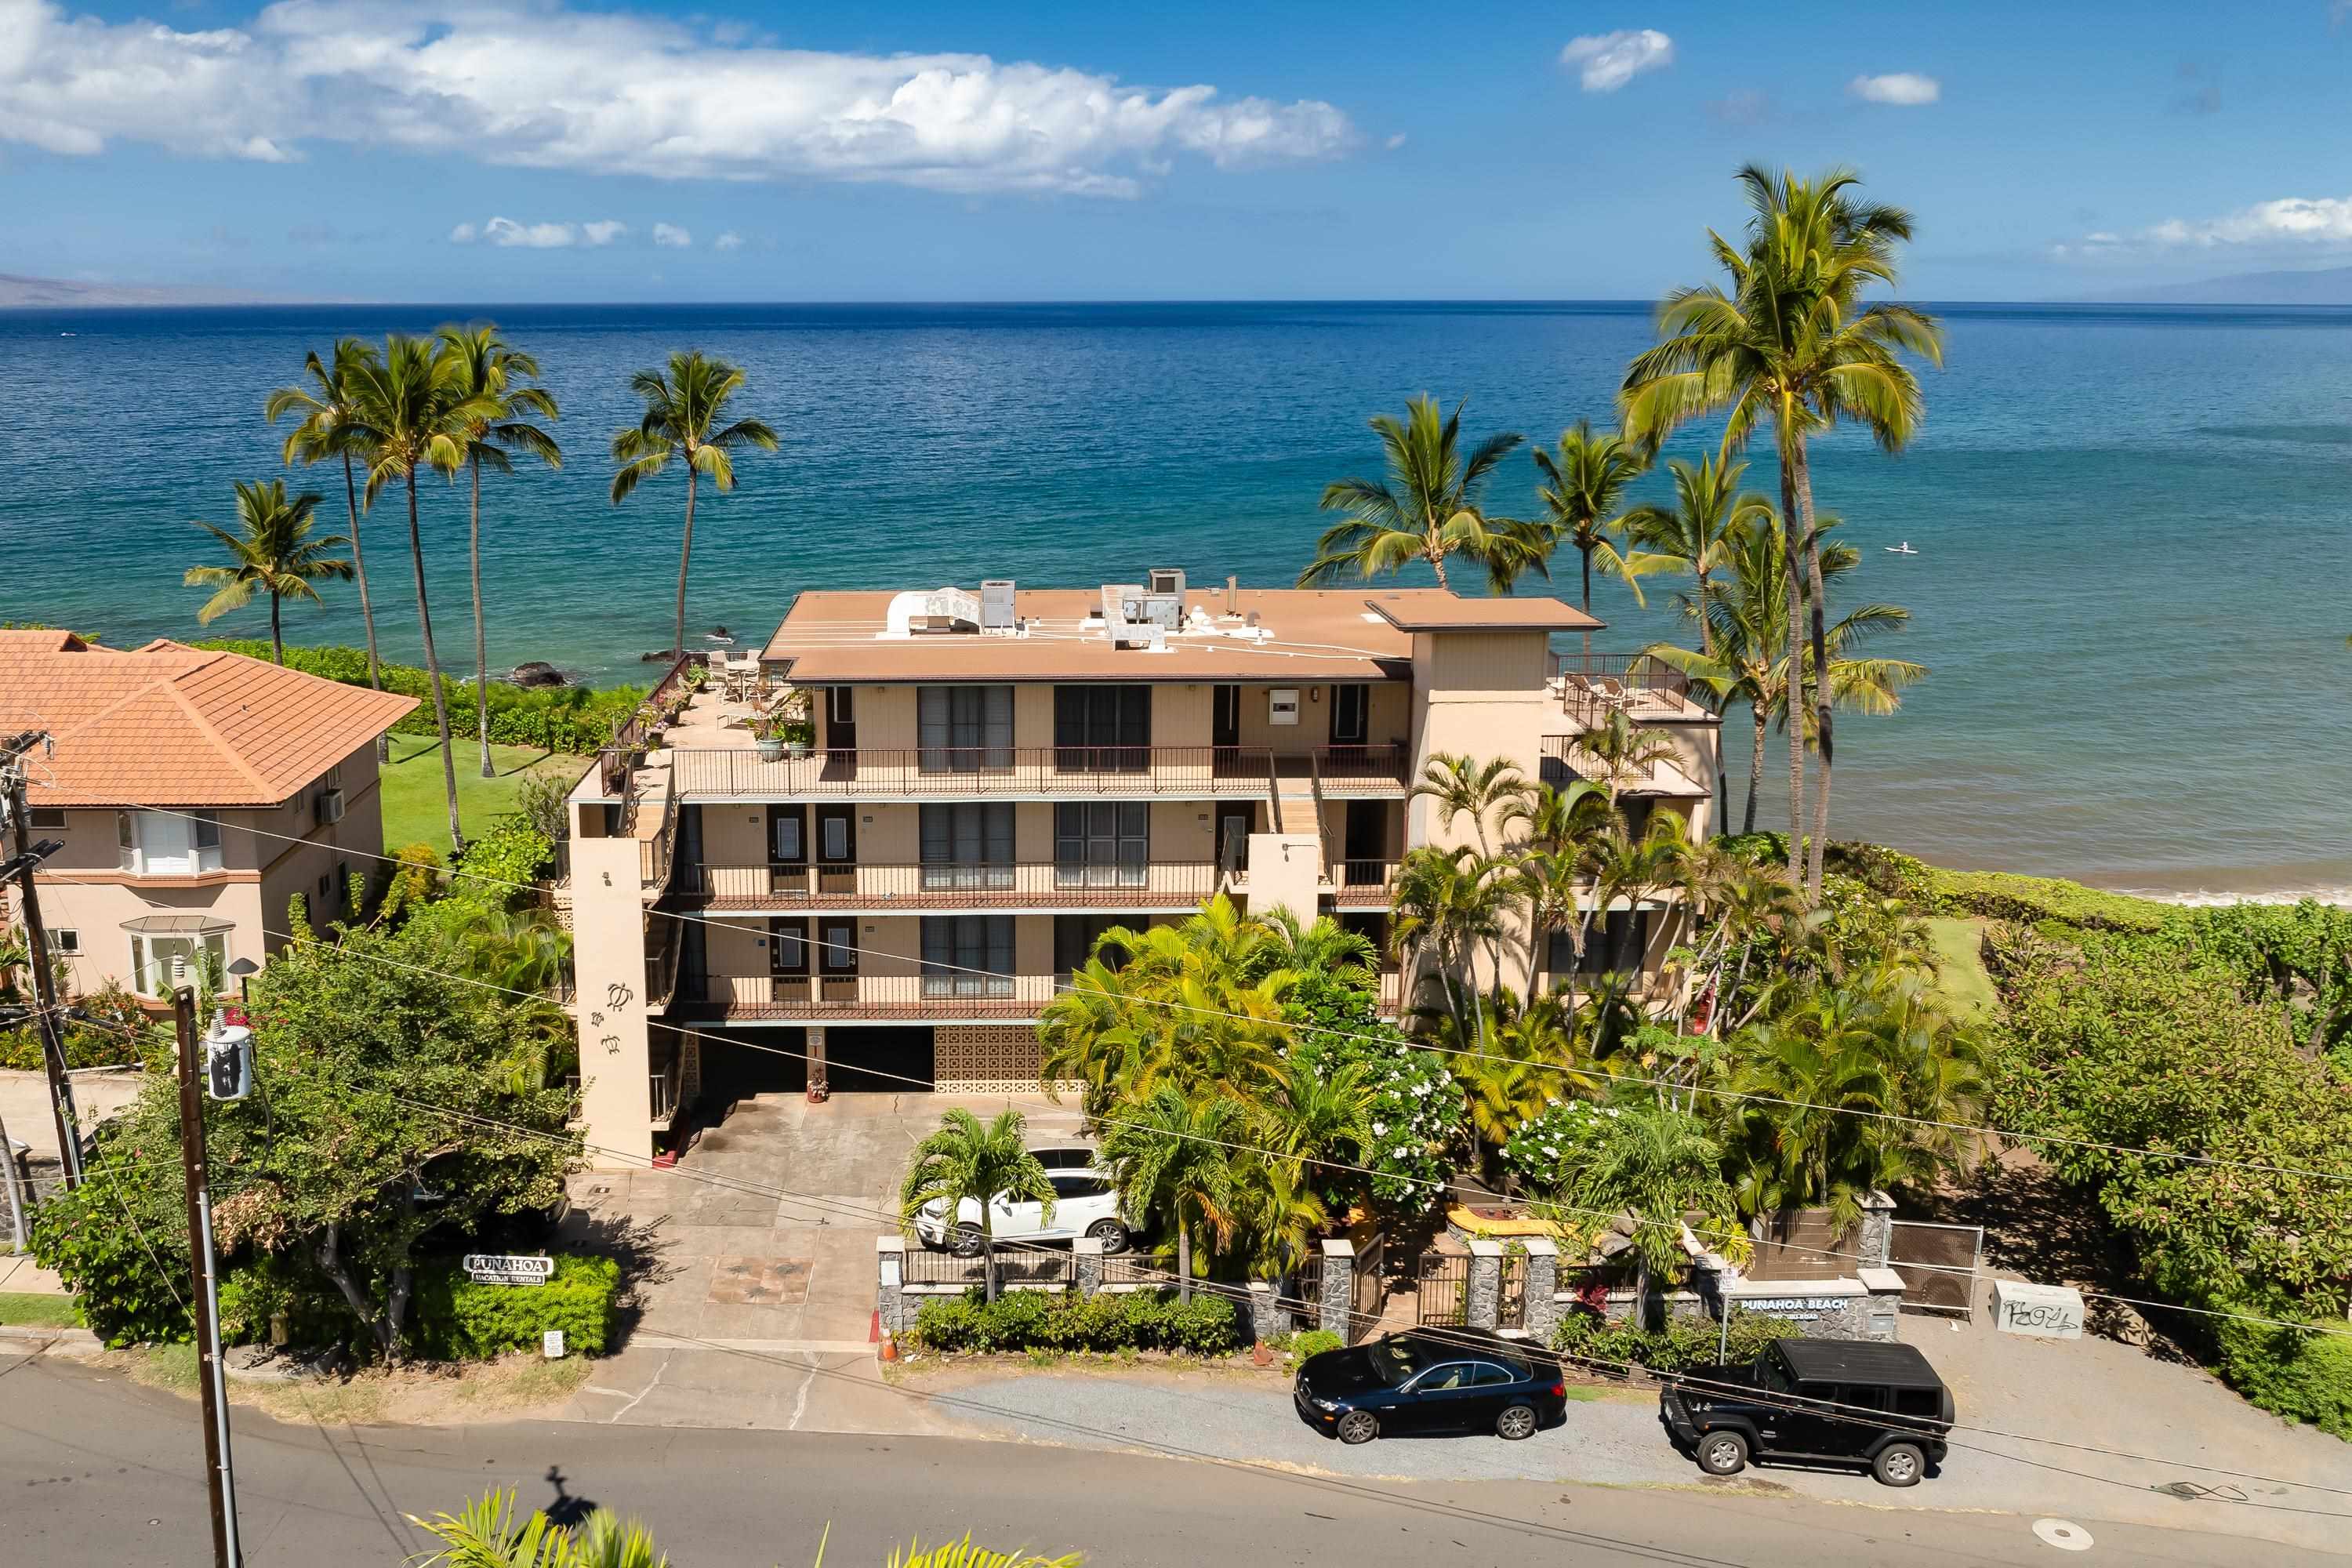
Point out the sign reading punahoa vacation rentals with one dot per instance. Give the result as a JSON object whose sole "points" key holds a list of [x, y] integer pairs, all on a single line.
{"points": [[509, 1267]]}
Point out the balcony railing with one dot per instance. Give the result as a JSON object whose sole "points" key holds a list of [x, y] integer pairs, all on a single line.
{"points": [[1023, 885], [1362, 884], [955, 772], [665, 1092], [952, 993], [1594, 686]]}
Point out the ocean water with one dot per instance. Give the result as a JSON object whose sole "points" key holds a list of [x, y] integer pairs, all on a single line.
{"points": [[2133, 525]]}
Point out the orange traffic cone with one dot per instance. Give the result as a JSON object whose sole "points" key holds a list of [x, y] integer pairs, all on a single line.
{"points": [[889, 1347]]}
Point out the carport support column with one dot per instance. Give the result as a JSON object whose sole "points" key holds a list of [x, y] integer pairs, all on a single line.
{"points": [[1875, 1247], [817, 1085], [1086, 1259], [1543, 1289], [1484, 1307], [890, 1292], [1338, 1290]]}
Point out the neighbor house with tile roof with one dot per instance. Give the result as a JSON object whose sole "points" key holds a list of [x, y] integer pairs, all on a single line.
{"points": [[195, 793]]}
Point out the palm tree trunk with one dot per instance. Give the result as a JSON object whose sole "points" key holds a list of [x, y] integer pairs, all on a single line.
{"points": [[433, 670], [481, 644], [277, 639], [1792, 551], [685, 555], [1437, 560], [1587, 554], [1804, 492], [988, 1252], [1707, 651], [1183, 1258], [367, 610], [1755, 768]]}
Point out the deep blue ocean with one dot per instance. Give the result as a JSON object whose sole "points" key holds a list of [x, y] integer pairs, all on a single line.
{"points": [[2133, 525]]}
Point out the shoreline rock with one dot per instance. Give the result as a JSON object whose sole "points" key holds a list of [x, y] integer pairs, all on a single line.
{"points": [[537, 673]]}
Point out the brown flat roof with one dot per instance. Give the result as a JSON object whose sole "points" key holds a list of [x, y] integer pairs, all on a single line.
{"points": [[1310, 634], [1437, 610]]}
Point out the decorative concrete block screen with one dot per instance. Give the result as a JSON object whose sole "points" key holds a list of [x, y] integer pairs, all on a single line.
{"points": [[986, 1059]]}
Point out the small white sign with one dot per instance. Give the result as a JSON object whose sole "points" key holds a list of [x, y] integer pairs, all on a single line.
{"points": [[2037, 1311], [551, 1344], [1282, 706], [508, 1269]]}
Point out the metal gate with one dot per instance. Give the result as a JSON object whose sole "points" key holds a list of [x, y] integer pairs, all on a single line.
{"points": [[1938, 1264], [1369, 1286], [1511, 1305], [1442, 1286]]}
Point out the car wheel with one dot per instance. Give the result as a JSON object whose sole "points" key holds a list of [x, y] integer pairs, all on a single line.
{"points": [[964, 1241], [1110, 1233], [1518, 1422], [1358, 1426], [1723, 1453], [1899, 1465]]}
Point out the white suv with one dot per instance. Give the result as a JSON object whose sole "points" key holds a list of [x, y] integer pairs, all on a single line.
{"points": [[1085, 1203]]}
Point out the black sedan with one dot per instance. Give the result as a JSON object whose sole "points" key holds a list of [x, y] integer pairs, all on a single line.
{"points": [[1429, 1382]]}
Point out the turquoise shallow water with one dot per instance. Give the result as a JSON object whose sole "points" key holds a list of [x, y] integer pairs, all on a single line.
{"points": [[2135, 525]]}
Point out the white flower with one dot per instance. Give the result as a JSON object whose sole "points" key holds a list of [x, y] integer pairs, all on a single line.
{"points": [[1380, 1129]]}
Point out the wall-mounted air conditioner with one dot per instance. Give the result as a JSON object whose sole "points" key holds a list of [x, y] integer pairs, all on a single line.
{"points": [[331, 807]]}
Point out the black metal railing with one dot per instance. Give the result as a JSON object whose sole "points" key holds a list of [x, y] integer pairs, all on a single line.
{"points": [[950, 885], [951, 772], [1363, 883], [943, 993]]}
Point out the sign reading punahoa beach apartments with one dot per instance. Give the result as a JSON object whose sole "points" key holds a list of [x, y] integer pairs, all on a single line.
{"points": [[509, 1267]]}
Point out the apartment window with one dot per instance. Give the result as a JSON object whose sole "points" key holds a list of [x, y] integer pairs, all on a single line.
{"points": [[1074, 937], [168, 844], [967, 845], [963, 729], [1102, 728], [1102, 844], [161, 963], [65, 940], [46, 817], [788, 947], [1351, 715], [968, 956], [1615, 945]]}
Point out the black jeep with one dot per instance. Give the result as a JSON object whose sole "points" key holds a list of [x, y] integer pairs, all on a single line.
{"points": [[1841, 1402]]}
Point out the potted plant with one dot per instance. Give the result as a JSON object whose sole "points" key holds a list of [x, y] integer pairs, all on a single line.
{"points": [[800, 736], [768, 734]]}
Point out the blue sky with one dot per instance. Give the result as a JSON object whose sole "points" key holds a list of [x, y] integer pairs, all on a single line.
{"points": [[537, 149]]}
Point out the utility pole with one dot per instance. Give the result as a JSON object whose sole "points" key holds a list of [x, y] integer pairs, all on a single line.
{"points": [[45, 1001], [220, 1481]]}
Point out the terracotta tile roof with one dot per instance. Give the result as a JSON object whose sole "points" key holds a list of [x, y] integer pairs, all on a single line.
{"points": [[171, 725]]}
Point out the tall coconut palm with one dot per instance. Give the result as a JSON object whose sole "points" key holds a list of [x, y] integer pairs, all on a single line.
{"points": [[1172, 1156], [1583, 492], [405, 413], [684, 404], [489, 375], [1789, 344], [965, 1160], [1461, 786], [323, 430], [1690, 537], [274, 555], [1428, 509]]}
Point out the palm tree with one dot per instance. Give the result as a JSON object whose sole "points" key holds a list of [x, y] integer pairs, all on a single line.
{"points": [[965, 1160], [1560, 826], [1172, 1155], [1534, 1056], [405, 413], [1427, 509], [489, 374], [1447, 905], [1789, 342], [324, 431], [1583, 484], [1461, 786], [1691, 537], [275, 554], [682, 407], [1623, 751], [1657, 1165]]}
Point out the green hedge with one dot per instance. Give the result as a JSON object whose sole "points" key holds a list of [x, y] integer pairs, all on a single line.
{"points": [[1683, 1343], [2006, 896], [576, 719], [2302, 1376], [1032, 1319], [454, 1318]]}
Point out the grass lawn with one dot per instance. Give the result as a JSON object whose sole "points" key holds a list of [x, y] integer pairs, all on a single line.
{"points": [[414, 810], [21, 1309], [1961, 974]]}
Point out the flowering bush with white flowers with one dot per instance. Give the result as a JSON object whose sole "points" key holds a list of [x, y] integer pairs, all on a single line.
{"points": [[1547, 1152], [1415, 1118]]}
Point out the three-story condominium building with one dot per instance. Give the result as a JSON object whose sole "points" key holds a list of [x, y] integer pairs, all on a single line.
{"points": [[990, 780]]}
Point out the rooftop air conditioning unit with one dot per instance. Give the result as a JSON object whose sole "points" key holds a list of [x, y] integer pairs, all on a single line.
{"points": [[996, 604], [946, 610], [1166, 580]]}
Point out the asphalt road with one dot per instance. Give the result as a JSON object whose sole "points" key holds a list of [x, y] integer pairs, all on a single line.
{"points": [[94, 1470]]}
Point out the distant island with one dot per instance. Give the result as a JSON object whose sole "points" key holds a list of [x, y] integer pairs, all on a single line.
{"points": [[2322, 286], [59, 294]]}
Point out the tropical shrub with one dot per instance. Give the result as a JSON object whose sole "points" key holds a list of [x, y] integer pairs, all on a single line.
{"points": [[2005, 896], [458, 1320], [120, 1240], [1678, 1345], [1416, 1117], [1547, 1153], [1313, 1343], [2302, 1375], [1032, 1319]]}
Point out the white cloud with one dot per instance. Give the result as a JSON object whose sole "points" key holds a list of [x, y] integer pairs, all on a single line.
{"points": [[2291, 224], [464, 234], [731, 240], [1607, 61], [531, 83], [671, 237], [1397, 141], [532, 236], [604, 231], [1909, 89]]}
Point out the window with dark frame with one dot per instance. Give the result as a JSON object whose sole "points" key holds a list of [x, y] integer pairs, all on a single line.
{"points": [[1102, 844], [1102, 728], [46, 817], [968, 956], [65, 939], [967, 845], [1351, 714], [963, 729]]}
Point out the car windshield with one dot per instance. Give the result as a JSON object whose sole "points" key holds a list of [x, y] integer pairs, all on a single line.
{"points": [[1399, 1356]]}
